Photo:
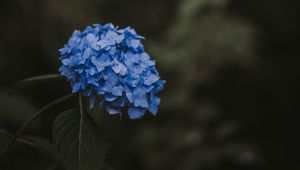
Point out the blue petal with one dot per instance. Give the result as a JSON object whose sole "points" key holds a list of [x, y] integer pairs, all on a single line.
{"points": [[113, 79], [66, 71], [87, 92], [91, 38], [145, 57], [119, 68], [76, 87], [132, 79], [92, 101], [99, 65], [148, 88], [129, 97], [135, 113], [131, 58], [159, 86], [64, 50], [105, 60], [112, 51], [140, 98], [91, 80], [137, 68], [117, 91], [79, 69], [115, 37], [104, 44], [92, 71], [132, 43], [75, 60], [153, 109], [152, 78], [119, 103], [107, 87], [139, 93], [112, 110], [155, 101], [100, 90], [86, 54], [110, 98], [66, 61], [141, 103]]}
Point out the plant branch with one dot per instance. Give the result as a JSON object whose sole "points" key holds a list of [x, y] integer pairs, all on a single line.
{"points": [[36, 115], [80, 127]]}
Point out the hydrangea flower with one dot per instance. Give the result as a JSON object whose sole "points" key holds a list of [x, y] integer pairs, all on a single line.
{"points": [[110, 62]]}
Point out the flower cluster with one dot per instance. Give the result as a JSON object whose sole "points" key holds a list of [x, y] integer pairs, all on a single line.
{"points": [[110, 62]]}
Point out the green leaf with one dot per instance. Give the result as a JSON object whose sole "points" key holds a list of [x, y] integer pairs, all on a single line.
{"points": [[32, 118], [38, 113], [44, 146], [5, 138], [34, 80], [107, 167], [79, 144], [40, 79], [53, 166]]}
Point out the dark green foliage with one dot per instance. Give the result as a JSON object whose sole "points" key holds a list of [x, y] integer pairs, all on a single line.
{"points": [[78, 141], [39, 112], [107, 167], [5, 139], [35, 80], [40, 79], [44, 146]]}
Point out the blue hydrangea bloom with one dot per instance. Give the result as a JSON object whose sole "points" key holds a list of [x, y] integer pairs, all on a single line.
{"points": [[110, 62]]}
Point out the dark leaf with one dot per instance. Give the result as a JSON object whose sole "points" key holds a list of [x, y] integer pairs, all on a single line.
{"points": [[79, 144], [54, 166], [5, 138], [34, 80], [39, 112], [42, 145], [107, 167], [40, 79]]}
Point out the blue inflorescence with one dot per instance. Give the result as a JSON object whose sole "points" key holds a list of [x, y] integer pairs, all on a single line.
{"points": [[110, 62]]}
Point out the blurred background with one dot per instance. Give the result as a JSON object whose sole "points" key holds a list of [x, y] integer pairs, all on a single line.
{"points": [[232, 68]]}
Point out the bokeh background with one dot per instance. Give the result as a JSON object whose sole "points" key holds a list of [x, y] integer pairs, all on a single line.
{"points": [[232, 68]]}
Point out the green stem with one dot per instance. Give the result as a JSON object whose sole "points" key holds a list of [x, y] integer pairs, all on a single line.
{"points": [[36, 115], [80, 127]]}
